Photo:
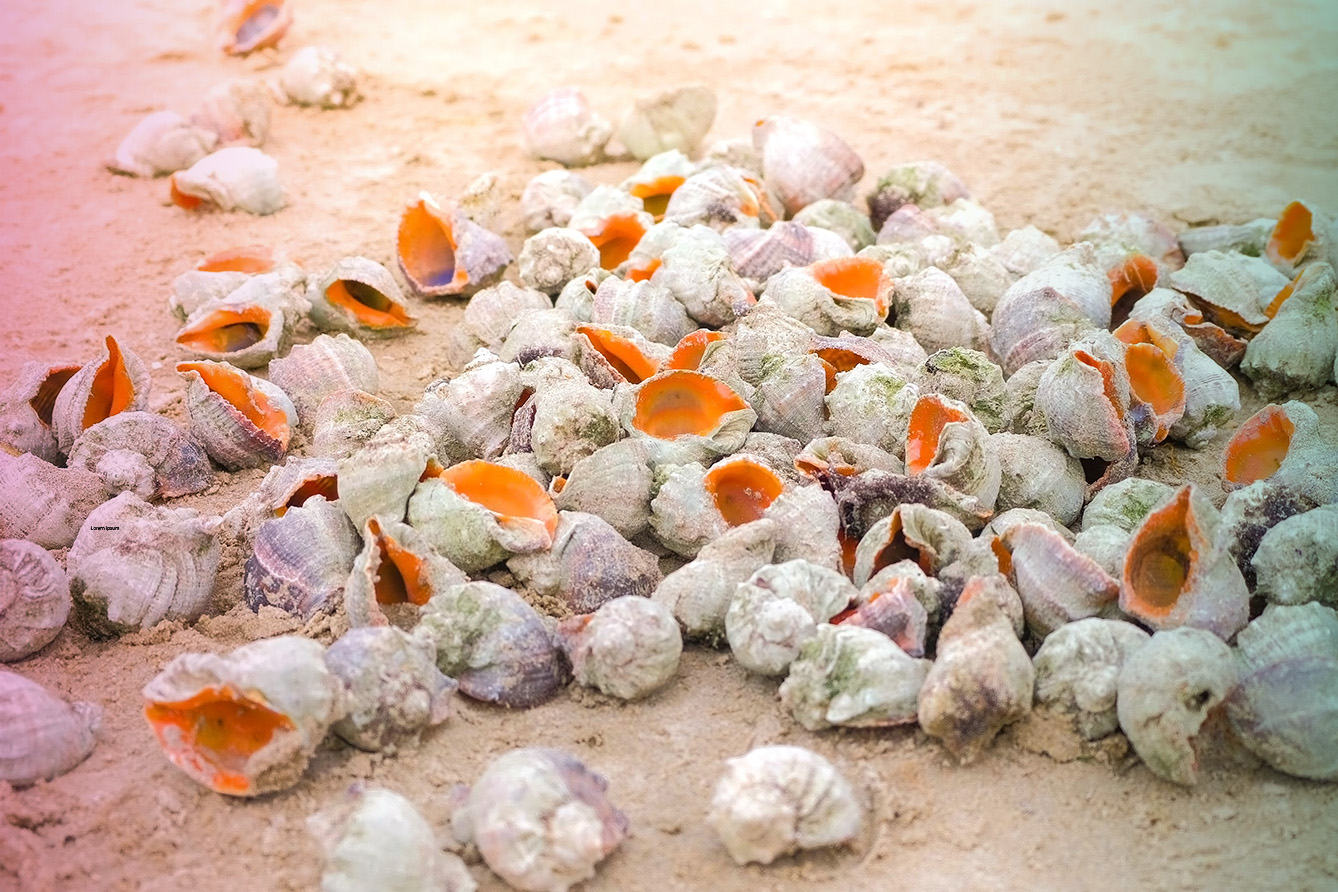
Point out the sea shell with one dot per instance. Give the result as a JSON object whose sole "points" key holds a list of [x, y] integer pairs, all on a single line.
{"points": [[540, 819], [44, 735], [1247, 238], [614, 221], [442, 252], [549, 198], [396, 566], [699, 592], [808, 526], [1058, 584], [27, 406], [945, 441], [847, 294], [931, 306], [562, 127], [471, 415], [926, 184], [686, 416], [1025, 250], [1127, 503], [246, 329], [759, 254], [379, 478], [1084, 397], [1299, 347], [250, 25], [553, 257], [1249, 513], [1078, 669], [247, 723], [311, 372], [628, 648], [161, 143], [144, 453], [358, 296], [981, 681], [43, 503], [117, 381], [1044, 311], [1297, 560], [853, 677], [195, 288], [931, 538], [866, 498], [393, 689], [778, 609], [238, 111], [1225, 349], [301, 561], [376, 839], [1231, 290], [622, 467], [589, 564], [697, 270], [840, 218], [657, 180], [1303, 234], [235, 178], [34, 599], [719, 197], [892, 605], [613, 354], [775, 800], [805, 162], [1165, 692], [1034, 473], [345, 420], [286, 486], [1282, 707], [494, 644], [316, 75], [240, 420], [694, 506], [648, 307], [979, 273], [676, 119]]}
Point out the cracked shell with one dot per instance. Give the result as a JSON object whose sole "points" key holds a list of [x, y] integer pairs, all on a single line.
{"points": [[852, 677], [34, 599], [117, 381], [240, 421], [628, 648], [45, 735], [43, 503], [143, 453], [1078, 669], [443, 253], [778, 609], [237, 178], [301, 561]]}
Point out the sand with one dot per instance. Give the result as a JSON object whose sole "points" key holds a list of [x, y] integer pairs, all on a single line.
{"points": [[1052, 112]]}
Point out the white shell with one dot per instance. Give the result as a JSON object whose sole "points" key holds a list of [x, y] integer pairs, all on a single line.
{"points": [[552, 257], [68, 415], [549, 199], [237, 110], [34, 599], [311, 372], [699, 592], [378, 479], [44, 735], [1312, 537], [675, 119], [1077, 669], [778, 609], [316, 75], [629, 648], [562, 127], [236, 178], [45, 504], [161, 143], [143, 453], [854, 677]]}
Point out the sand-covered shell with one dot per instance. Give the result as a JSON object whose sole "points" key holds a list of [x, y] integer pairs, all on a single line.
{"points": [[246, 723], [396, 566], [379, 478], [554, 256], [494, 644], [628, 648], [775, 800], [1283, 707], [699, 592], [719, 197], [301, 561], [588, 565], [34, 599], [237, 178], [946, 442], [376, 839], [562, 127], [622, 467], [1044, 311], [759, 254], [847, 294], [250, 25], [345, 420], [45, 736], [852, 677], [317, 75], [1297, 560], [393, 689], [161, 143], [1057, 583], [1034, 473], [240, 421], [1165, 692], [541, 820], [238, 111], [928, 536], [570, 421], [361, 297], [443, 253], [549, 198], [1078, 669], [310, 372], [116, 381], [778, 609], [43, 503], [1283, 444], [925, 184], [27, 406], [932, 307], [134, 565], [1298, 348], [143, 453], [970, 377], [804, 162], [674, 119], [1178, 573]]}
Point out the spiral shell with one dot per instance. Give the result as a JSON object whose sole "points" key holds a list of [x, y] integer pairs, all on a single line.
{"points": [[240, 420], [932, 307], [117, 381], [143, 453], [247, 329], [235, 178], [719, 197], [358, 296], [27, 406], [932, 538], [1078, 668], [553, 257], [614, 221], [34, 599], [45, 736], [1231, 290], [1299, 347], [442, 252], [673, 120], [628, 648], [1285, 580], [648, 307], [832, 296], [805, 162], [1247, 238], [925, 184], [1058, 584], [549, 198], [697, 270], [853, 677], [238, 111], [562, 127], [945, 441], [161, 143], [316, 75], [778, 609], [311, 372], [301, 561], [699, 592], [44, 504], [588, 565], [622, 467], [1034, 473], [396, 566], [759, 254], [345, 420], [379, 478]]}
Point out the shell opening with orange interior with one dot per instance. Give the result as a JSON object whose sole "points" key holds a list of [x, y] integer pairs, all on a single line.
{"points": [[614, 221], [687, 416], [441, 252], [1287, 445], [831, 296], [240, 420], [395, 567], [657, 179], [27, 407], [361, 297], [945, 441], [117, 381], [250, 25], [1298, 349], [243, 333]]}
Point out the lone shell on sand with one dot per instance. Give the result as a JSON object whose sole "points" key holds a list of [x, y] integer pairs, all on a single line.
{"points": [[44, 735]]}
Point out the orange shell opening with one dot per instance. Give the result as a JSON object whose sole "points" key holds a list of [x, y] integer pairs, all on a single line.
{"points": [[898, 548], [1138, 274], [1257, 449], [1002, 555], [402, 576], [622, 353], [836, 360], [1107, 379], [254, 25], [44, 401], [369, 306], [426, 247], [742, 490], [643, 273], [616, 239], [691, 348], [227, 330], [1293, 233], [509, 494], [112, 391], [326, 485], [848, 548], [1156, 381], [1287, 291], [1161, 559], [682, 402], [655, 195], [234, 386], [182, 199], [252, 259], [860, 277], [213, 735], [928, 419], [1137, 331]]}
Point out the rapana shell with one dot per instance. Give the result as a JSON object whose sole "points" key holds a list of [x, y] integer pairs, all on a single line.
{"points": [[1084, 397], [549, 198], [628, 648], [117, 381], [27, 406], [925, 184], [648, 307], [145, 454], [614, 221], [238, 178], [1286, 445], [808, 526], [572, 420], [1246, 238], [673, 120], [846, 294], [1232, 291], [470, 415], [981, 681], [361, 297], [395, 566], [872, 404], [345, 420], [805, 162], [489, 318], [247, 328], [376, 839], [892, 605], [697, 270], [247, 723], [980, 274], [443, 253], [1283, 707], [1298, 348], [775, 800], [280, 287], [1034, 473], [43, 503], [945, 441], [393, 689], [249, 25], [494, 644], [289, 485], [1020, 400], [623, 468], [1125, 504], [853, 677], [699, 592], [34, 599], [1165, 692], [316, 75], [866, 498], [971, 378], [540, 819], [240, 421], [610, 355], [686, 416], [1226, 350], [656, 181], [1058, 584], [378, 479], [238, 111], [562, 127], [1043, 312], [932, 538], [778, 609], [1303, 234], [839, 218], [311, 372], [790, 399], [552, 257], [1248, 514], [161, 143], [1078, 668], [758, 254], [932, 307], [302, 560], [719, 197], [588, 565], [44, 736], [1297, 560], [134, 565], [1025, 250]]}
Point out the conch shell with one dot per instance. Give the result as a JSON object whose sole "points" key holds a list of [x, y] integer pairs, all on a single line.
{"points": [[44, 736], [673, 120], [301, 561], [27, 406], [34, 599], [1285, 580], [161, 143], [925, 184], [847, 294], [359, 296], [396, 566], [238, 111], [316, 75], [235, 178], [43, 503], [805, 162], [549, 198], [628, 648], [240, 420], [778, 609], [250, 25], [700, 591], [1298, 348], [588, 565], [1078, 668], [443, 253], [117, 381], [143, 453], [562, 127]]}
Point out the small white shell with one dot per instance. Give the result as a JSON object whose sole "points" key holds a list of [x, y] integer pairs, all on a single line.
{"points": [[549, 199], [161, 143], [779, 608], [775, 800], [562, 127], [44, 735], [238, 111], [552, 257], [27, 406], [852, 677], [628, 648], [675, 119], [235, 178], [805, 162], [358, 296], [316, 75], [1077, 669], [34, 599]]}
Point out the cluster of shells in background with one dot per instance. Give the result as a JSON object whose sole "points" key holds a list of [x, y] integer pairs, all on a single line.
{"points": [[889, 459]]}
